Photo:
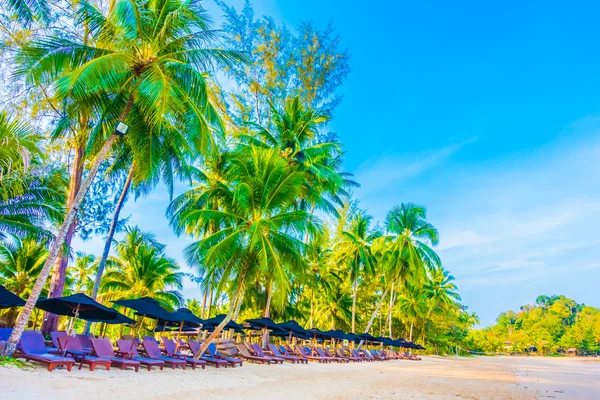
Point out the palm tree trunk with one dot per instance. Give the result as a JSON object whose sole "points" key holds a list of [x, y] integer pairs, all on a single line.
{"points": [[210, 301], [109, 239], [373, 316], [204, 298], [236, 301], [391, 308], [376, 311], [57, 284], [267, 313], [57, 246], [312, 299], [411, 329], [354, 290]]}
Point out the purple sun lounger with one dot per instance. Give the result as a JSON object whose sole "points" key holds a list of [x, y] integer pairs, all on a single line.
{"points": [[171, 349], [33, 348], [195, 349], [153, 351], [126, 347], [103, 348]]}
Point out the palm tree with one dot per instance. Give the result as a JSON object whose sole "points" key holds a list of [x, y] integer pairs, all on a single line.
{"points": [[441, 289], [147, 63], [256, 230], [413, 305], [354, 250], [140, 269], [82, 272], [30, 195], [405, 249], [293, 132], [21, 261]]}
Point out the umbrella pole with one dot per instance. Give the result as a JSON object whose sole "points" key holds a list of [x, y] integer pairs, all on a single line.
{"points": [[73, 318], [141, 323], [179, 333]]}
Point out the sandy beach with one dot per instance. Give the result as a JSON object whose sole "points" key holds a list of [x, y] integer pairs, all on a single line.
{"points": [[432, 378]]}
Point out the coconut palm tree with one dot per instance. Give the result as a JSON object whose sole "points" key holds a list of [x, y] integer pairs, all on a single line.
{"points": [[354, 251], [31, 195], [21, 260], [405, 250], [441, 289], [412, 304], [82, 272], [148, 63], [140, 269], [256, 229]]}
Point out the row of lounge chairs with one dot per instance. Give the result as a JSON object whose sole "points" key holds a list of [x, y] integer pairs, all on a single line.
{"points": [[133, 353]]}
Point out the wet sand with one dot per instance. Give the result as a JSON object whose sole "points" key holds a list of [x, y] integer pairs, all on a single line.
{"points": [[432, 378]]}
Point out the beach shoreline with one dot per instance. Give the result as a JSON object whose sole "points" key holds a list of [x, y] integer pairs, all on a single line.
{"points": [[433, 378]]}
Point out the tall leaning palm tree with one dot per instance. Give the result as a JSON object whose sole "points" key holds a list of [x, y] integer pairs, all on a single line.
{"points": [[256, 229], [148, 62]]}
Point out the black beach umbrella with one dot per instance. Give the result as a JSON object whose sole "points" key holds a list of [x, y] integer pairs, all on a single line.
{"points": [[211, 323], [182, 317], [119, 319], [294, 329], [319, 334], [9, 299], [145, 306], [385, 341], [263, 323], [369, 338], [79, 306]]}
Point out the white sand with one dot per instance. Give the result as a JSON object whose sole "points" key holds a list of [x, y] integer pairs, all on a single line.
{"points": [[432, 378]]}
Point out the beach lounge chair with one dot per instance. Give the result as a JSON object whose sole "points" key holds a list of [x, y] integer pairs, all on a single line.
{"points": [[293, 359], [214, 353], [317, 351], [130, 351], [171, 350], [153, 351], [5, 333], [71, 347], [103, 348], [365, 357], [55, 335], [84, 340], [246, 354], [258, 351], [195, 348], [306, 355], [33, 348], [287, 349], [323, 353], [348, 357]]}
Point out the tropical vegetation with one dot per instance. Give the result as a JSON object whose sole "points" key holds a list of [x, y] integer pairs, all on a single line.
{"points": [[552, 325], [108, 100]]}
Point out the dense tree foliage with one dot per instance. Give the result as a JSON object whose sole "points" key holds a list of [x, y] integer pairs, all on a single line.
{"points": [[553, 324], [276, 230]]}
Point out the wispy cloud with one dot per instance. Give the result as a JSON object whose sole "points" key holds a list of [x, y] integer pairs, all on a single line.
{"points": [[509, 226]]}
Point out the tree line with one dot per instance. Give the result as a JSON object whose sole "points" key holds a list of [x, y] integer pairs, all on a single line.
{"points": [[107, 100]]}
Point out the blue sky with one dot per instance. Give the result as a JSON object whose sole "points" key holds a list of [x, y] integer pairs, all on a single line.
{"points": [[489, 115]]}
